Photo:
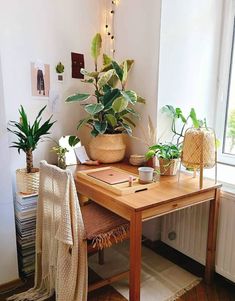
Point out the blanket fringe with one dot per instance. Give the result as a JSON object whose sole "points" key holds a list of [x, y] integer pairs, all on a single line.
{"points": [[184, 290], [102, 241], [34, 293]]}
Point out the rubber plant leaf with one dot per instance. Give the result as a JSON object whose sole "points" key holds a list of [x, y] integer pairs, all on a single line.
{"points": [[77, 97], [94, 108], [119, 104], [100, 126], [109, 98], [111, 119], [106, 59], [96, 45], [94, 133], [125, 74], [130, 96], [141, 99], [103, 80], [93, 74], [118, 70], [82, 122]]}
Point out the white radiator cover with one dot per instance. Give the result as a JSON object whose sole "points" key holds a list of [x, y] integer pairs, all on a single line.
{"points": [[190, 226]]}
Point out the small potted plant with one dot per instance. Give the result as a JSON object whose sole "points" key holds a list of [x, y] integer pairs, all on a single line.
{"points": [[27, 141], [168, 156], [110, 112]]}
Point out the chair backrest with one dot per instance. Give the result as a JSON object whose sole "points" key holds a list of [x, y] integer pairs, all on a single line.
{"points": [[60, 233]]}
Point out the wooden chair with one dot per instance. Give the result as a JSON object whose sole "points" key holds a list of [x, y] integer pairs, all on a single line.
{"points": [[103, 228]]}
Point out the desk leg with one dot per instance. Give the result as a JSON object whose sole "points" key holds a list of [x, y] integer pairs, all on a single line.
{"points": [[135, 256], [211, 237]]}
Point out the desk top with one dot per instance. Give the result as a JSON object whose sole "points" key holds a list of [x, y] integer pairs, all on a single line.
{"points": [[167, 190]]}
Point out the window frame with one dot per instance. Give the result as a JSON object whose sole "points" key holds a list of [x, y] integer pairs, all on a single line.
{"points": [[227, 51]]}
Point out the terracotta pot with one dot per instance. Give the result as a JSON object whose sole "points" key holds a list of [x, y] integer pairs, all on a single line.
{"points": [[168, 167], [27, 183], [107, 148]]}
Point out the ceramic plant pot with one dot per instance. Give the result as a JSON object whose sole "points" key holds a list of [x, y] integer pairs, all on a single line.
{"points": [[27, 183], [107, 148], [168, 167]]}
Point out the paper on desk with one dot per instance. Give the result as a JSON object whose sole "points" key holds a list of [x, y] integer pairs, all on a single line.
{"points": [[81, 154]]}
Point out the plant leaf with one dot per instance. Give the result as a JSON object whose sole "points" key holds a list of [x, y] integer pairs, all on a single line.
{"points": [[94, 133], [73, 140], [119, 104], [96, 46], [103, 80], [106, 59], [77, 97], [94, 108], [130, 96], [111, 119], [141, 99], [82, 122], [93, 74], [129, 121], [109, 98], [193, 116], [125, 73], [101, 126], [118, 70]]}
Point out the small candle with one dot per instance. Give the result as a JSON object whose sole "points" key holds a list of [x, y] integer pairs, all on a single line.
{"points": [[131, 181]]}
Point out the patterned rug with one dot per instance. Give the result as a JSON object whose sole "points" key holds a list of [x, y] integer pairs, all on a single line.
{"points": [[161, 280]]}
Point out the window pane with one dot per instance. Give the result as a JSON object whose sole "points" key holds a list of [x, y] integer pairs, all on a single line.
{"points": [[229, 137]]}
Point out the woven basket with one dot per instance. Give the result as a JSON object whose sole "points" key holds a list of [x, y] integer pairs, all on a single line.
{"points": [[168, 167], [199, 148], [27, 183], [107, 148]]}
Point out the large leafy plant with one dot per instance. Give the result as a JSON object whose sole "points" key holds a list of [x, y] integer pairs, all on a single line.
{"points": [[113, 110], [29, 136]]}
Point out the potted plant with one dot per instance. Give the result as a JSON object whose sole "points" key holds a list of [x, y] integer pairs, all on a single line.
{"points": [[28, 138], [168, 156], [110, 112]]}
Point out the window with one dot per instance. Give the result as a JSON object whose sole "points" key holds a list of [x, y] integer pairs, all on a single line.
{"points": [[225, 121]]}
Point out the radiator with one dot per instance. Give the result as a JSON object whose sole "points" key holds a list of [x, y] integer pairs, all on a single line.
{"points": [[186, 231], [225, 255]]}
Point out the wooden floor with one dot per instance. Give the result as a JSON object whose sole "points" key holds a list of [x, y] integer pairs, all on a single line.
{"points": [[221, 290]]}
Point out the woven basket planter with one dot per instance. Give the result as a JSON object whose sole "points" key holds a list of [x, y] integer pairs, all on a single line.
{"points": [[107, 148], [27, 183], [168, 167]]}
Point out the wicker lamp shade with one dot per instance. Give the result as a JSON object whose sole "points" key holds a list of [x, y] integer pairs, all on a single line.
{"points": [[199, 150]]}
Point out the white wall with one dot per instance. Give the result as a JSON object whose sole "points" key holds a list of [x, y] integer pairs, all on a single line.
{"points": [[137, 32], [189, 56], [8, 258], [31, 30]]}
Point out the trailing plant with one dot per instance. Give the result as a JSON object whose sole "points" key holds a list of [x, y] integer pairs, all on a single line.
{"points": [[29, 136], [164, 151], [113, 110]]}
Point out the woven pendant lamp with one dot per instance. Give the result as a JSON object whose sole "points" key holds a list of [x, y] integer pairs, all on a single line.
{"points": [[199, 150]]}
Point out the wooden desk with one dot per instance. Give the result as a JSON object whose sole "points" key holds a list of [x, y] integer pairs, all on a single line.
{"points": [[168, 196]]}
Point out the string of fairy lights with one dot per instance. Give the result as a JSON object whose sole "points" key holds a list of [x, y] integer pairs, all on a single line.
{"points": [[110, 9]]}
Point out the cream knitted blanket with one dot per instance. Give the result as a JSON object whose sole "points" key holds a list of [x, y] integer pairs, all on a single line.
{"points": [[61, 250]]}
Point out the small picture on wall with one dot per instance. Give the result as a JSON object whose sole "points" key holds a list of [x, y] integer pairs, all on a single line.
{"points": [[40, 79]]}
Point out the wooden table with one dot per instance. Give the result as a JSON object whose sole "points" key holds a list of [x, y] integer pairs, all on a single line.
{"points": [[168, 196]]}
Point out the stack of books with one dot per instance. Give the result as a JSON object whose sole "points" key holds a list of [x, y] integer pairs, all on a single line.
{"points": [[25, 215]]}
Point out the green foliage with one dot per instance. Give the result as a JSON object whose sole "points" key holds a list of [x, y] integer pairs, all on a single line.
{"points": [[59, 68], [164, 151], [73, 140], [231, 128], [177, 114], [113, 110], [28, 136]]}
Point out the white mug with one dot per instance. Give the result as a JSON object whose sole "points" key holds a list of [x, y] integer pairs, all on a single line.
{"points": [[145, 175]]}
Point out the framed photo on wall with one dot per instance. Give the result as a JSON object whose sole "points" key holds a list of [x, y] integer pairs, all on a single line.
{"points": [[40, 79]]}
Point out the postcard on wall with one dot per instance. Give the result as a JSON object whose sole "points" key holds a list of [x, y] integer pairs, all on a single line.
{"points": [[40, 79]]}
